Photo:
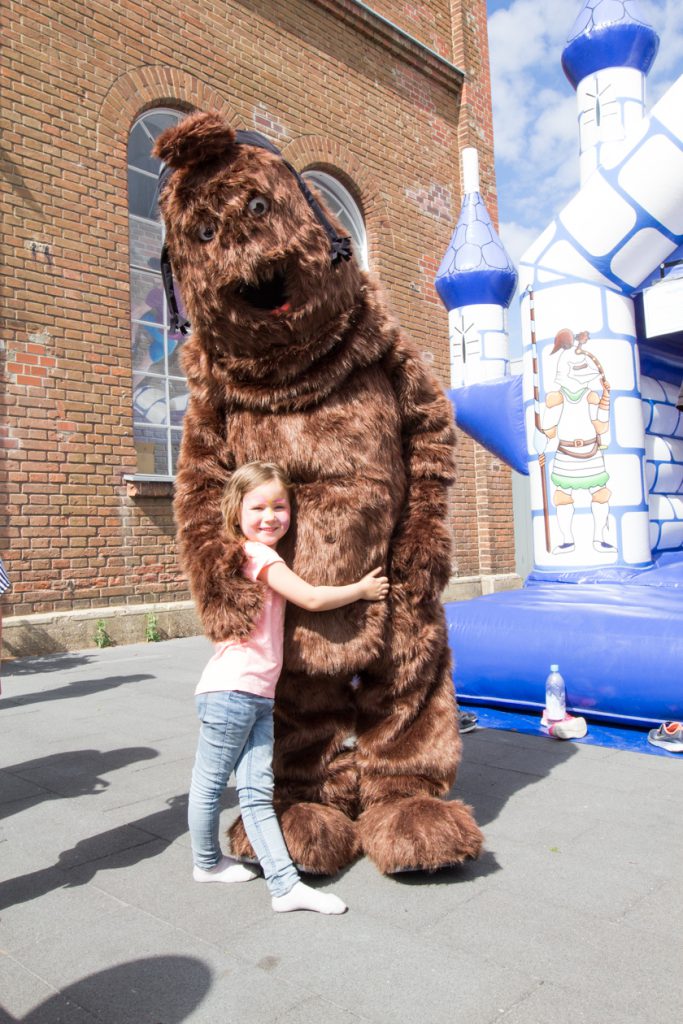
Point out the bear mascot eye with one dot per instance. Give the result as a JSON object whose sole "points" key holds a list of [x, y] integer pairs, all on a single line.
{"points": [[258, 206], [206, 232]]}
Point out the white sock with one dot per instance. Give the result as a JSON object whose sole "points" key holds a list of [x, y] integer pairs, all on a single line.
{"points": [[600, 515], [302, 897], [227, 870], [565, 515]]}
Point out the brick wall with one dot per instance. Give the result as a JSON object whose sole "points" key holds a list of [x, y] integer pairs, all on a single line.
{"points": [[426, 20], [334, 92]]}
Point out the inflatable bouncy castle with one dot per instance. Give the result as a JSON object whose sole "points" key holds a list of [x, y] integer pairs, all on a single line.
{"points": [[595, 419]]}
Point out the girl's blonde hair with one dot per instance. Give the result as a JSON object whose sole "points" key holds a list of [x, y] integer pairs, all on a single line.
{"points": [[243, 480]]}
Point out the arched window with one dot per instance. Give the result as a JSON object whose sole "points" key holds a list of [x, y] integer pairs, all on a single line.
{"points": [[344, 208], [159, 388]]}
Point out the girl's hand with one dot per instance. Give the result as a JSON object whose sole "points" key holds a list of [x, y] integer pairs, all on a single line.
{"points": [[282, 580], [374, 587]]}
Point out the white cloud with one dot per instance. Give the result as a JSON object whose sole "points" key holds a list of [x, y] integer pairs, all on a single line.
{"points": [[555, 126], [522, 37], [534, 109], [516, 238], [666, 17], [510, 128]]}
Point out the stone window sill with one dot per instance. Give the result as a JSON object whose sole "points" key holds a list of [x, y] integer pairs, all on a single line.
{"points": [[140, 486]]}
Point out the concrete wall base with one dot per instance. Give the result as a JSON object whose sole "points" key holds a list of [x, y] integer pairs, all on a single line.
{"points": [[463, 588], [28, 636]]}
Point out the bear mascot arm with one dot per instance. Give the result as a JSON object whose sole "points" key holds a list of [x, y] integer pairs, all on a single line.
{"points": [[421, 546], [228, 604]]}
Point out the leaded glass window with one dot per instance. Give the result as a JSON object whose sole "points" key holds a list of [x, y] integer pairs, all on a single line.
{"points": [[159, 388]]}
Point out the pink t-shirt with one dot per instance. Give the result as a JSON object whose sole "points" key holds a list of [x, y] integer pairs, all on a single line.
{"points": [[252, 665]]}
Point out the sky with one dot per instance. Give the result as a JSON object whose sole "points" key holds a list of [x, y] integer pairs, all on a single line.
{"points": [[534, 111]]}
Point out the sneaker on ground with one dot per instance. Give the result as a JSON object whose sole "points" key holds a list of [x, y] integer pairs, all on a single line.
{"points": [[568, 728], [668, 736], [467, 721]]}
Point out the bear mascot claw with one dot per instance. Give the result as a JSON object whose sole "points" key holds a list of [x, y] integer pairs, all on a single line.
{"points": [[294, 358]]}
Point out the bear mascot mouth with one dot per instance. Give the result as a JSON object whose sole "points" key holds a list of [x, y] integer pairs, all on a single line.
{"points": [[269, 294]]}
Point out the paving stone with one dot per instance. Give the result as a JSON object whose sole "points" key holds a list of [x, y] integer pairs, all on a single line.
{"points": [[560, 939], [133, 968], [586, 1001], [410, 901], [26, 999], [162, 886], [383, 973], [43, 907]]}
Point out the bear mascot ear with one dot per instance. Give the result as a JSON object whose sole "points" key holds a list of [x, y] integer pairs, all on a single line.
{"points": [[198, 139]]}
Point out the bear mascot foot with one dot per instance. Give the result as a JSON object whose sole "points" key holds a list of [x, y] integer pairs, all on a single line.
{"points": [[321, 840], [419, 833]]}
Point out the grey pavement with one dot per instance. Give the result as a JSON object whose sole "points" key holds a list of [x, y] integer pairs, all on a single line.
{"points": [[573, 913]]}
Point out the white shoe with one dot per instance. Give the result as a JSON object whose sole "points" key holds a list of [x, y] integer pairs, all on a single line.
{"points": [[569, 728], [227, 870], [669, 736]]}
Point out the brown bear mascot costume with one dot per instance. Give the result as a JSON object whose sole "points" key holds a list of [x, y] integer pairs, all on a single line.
{"points": [[294, 358]]}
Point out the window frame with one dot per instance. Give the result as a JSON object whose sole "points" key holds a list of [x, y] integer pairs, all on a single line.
{"points": [[170, 385], [331, 188]]}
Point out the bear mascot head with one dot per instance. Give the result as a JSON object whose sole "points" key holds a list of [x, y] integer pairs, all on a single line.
{"points": [[294, 358]]}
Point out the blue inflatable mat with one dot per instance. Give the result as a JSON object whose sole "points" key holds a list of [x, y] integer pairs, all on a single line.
{"points": [[619, 647]]}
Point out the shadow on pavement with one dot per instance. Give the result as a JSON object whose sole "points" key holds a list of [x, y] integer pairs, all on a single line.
{"points": [[162, 989], [82, 688], [488, 787], [485, 865], [119, 847], [497, 764], [27, 665], [68, 774]]}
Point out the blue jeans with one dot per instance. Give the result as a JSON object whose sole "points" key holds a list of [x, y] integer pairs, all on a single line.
{"points": [[236, 734]]}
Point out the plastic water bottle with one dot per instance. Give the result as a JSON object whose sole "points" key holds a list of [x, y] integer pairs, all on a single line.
{"points": [[555, 701]]}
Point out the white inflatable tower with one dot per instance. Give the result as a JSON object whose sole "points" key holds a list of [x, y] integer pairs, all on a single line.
{"points": [[476, 282], [587, 445]]}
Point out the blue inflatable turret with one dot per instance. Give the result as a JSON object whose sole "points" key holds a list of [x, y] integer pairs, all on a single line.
{"points": [[476, 282], [609, 52], [608, 34], [475, 269]]}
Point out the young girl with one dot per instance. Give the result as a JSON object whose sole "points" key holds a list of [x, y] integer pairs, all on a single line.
{"points": [[235, 696]]}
